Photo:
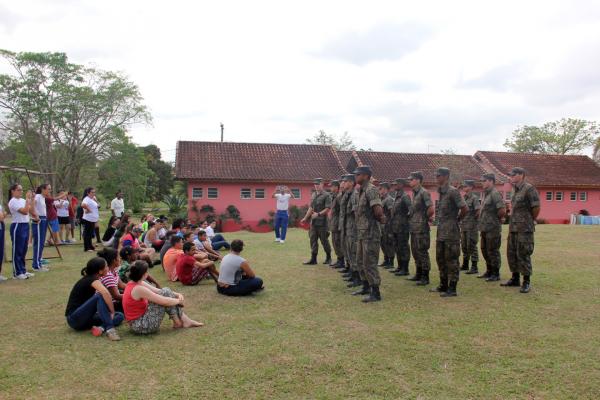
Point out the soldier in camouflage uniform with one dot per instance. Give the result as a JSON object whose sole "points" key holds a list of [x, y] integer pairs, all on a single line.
{"points": [[334, 223], [421, 211], [387, 236], [348, 227], [400, 227], [369, 214], [320, 204], [469, 236], [525, 208], [451, 209], [491, 214]]}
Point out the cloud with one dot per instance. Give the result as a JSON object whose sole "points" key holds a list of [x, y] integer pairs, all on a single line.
{"points": [[9, 20], [403, 86], [498, 78], [384, 42]]}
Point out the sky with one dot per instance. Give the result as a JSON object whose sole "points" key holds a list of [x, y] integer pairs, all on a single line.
{"points": [[403, 76]]}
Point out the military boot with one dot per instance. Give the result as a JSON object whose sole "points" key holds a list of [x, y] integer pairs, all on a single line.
{"points": [[402, 268], [342, 263], [416, 277], [473, 269], [486, 274], [384, 262], [355, 282], [465, 264], [514, 281], [373, 296], [526, 287], [327, 259], [443, 286], [335, 264], [451, 292], [390, 264], [494, 276], [312, 261], [424, 279], [347, 277], [364, 290]]}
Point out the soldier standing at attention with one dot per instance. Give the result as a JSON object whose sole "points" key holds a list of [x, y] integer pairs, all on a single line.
{"points": [[491, 215], [421, 212], [451, 209], [387, 238], [369, 214], [320, 204], [349, 228], [525, 208], [469, 236], [400, 227], [334, 223]]}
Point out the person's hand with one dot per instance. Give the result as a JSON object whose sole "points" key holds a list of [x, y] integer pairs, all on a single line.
{"points": [[28, 195]]}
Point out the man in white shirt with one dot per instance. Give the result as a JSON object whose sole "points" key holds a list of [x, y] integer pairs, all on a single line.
{"points": [[283, 195], [117, 206]]}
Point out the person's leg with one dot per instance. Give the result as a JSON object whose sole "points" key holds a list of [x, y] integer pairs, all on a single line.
{"points": [[150, 321], [103, 314], [218, 245], [38, 244], [18, 268], [21, 254], [88, 233], [2, 233], [83, 317], [218, 238], [243, 288], [97, 233], [284, 225]]}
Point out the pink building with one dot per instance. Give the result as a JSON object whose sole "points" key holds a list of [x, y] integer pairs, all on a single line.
{"points": [[246, 174]]}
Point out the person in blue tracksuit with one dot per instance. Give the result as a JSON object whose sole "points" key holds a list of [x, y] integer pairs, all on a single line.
{"points": [[39, 227], [19, 208], [2, 233]]}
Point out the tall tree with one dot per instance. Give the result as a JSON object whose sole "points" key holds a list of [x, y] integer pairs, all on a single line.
{"points": [[596, 154], [161, 182], [567, 136], [66, 115], [342, 142]]}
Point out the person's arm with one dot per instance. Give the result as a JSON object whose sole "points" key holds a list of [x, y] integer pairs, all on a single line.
{"points": [[100, 288], [501, 213], [2, 216], [154, 281], [143, 292], [114, 292], [463, 211], [309, 212], [247, 270], [85, 206], [274, 195], [28, 206], [122, 284], [288, 191], [535, 212]]}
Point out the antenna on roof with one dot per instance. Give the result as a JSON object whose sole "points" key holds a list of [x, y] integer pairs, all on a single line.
{"points": [[222, 129]]}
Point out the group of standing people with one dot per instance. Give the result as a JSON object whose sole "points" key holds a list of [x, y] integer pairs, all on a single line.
{"points": [[364, 219]]}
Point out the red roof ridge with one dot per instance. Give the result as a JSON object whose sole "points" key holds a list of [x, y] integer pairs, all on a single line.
{"points": [[357, 158], [488, 165], [337, 158], [254, 143]]}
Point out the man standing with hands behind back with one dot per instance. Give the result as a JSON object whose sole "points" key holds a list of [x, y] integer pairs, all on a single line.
{"points": [[320, 204], [283, 196]]}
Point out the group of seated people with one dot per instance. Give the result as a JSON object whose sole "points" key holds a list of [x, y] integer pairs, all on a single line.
{"points": [[116, 285]]}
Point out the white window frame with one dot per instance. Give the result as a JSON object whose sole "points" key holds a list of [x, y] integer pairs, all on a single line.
{"points": [[201, 193], [246, 190], [551, 195], [573, 196], [208, 196], [583, 196], [299, 193], [556, 196], [264, 193]]}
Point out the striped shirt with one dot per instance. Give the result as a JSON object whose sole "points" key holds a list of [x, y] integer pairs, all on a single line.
{"points": [[111, 279]]}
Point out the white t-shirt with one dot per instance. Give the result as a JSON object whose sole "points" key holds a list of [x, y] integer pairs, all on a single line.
{"points": [[39, 204], [62, 208], [210, 232], [92, 215], [14, 205], [283, 201], [118, 206]]}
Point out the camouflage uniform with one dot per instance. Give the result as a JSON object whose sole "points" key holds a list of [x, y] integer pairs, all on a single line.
{"points": [[318, 226], [387, 235], [468, 231], [348, 230], [419, 230], [400, 229], [447, 249], [490, 227], [369, 234], [521, 228], [334, 225]]}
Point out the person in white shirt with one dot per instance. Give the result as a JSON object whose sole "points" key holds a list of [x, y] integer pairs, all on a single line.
{"points": [[90, 217], [39, 227], [216, 239], [19, 208], [2, 233], [117, 205], [62, 210], [283, 195]]}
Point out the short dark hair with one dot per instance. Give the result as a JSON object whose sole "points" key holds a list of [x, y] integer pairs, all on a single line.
{"points": [[187, 246], [175, 239], [201, 233], [109, 254], [187, 235], [237, 245], [137, 270]]}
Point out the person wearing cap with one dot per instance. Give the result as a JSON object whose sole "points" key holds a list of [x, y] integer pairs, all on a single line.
{"points": [[369, 214], [421, 212], [320, 204], [387, 236], [334, 223], [348, 224], [491, 214], [400, 227], [469, 236], [525, 208]]}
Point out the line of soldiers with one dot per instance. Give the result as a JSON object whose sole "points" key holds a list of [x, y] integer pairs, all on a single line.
{"points": [[364, 219]]}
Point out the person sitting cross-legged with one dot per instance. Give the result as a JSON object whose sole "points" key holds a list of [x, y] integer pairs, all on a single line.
{"points": [[236, 278], [190, 271], [145, 306], [204, 245]]}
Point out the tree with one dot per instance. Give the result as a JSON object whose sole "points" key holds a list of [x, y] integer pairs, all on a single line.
{"points": [[125, 170], [66, 115], [596, 153], [161, 182], [343, 142], [567, 136]]}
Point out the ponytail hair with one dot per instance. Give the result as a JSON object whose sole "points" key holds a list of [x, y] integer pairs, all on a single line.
{"points": [[94, 266], [39, 189], [87, 191], [137, 270]]}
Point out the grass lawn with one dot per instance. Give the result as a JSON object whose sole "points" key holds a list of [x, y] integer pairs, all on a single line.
{"points": [[305, 337]]}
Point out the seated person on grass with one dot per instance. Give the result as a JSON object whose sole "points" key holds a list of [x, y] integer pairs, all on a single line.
{"points": [[131, 238], [170, 258], [111, 279], [129, 255], [217, 240], [145, 306], [203, 244], [236, 278], [191, 271], [151, 238], [90, 305], [109, 233]]}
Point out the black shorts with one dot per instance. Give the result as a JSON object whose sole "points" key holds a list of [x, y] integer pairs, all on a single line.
{"points": [[64, 220]]}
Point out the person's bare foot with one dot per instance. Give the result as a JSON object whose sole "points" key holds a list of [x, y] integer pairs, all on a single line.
{"points": [[190, 323]]}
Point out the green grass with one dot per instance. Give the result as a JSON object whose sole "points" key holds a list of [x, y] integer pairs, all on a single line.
{"points": [[305, 337]]}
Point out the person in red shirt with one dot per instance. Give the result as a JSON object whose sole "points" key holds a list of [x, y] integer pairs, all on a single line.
{"points": [[189, 270]]}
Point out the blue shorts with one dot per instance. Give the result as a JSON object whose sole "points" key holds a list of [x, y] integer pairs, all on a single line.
{"points": [[54, 225]]}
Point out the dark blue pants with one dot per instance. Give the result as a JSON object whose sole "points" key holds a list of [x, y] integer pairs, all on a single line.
{"points": [[281, 224], [243, 288], [38, 230], [2, 232], [218, 241], [19, 234], [94, 312]]}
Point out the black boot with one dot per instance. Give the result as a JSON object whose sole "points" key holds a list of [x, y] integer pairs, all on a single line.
{"points": [[355, 282], [373, 296], [443, 286], [347, 277], [390, 264], [526, 287], [364, 290], [451, 292], [514, 281], [344, 270], [485, 275], [342, 263], [424, 279], [328, 259], [494, 276], [335, 264], [312, 261], [465, 264], [384, 262], [473, 269], [416, 277]]}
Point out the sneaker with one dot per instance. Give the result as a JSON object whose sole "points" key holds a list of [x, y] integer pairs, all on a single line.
{"points": [[3, 278], [97, 331], [41, 269], [282, 241], [44, 261], [21, 277], [29, 274], [71, 241], [277, 240], [112, 334]]}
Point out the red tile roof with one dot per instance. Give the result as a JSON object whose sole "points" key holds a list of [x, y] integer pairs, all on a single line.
{"points": [[544, 169], [266, 162]]}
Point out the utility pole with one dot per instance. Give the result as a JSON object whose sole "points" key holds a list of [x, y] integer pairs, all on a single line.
{"points": [[222, 129]]}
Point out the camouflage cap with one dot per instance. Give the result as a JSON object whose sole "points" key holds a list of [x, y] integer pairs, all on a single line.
{"points": [[364, 169], [517, 171], [488, 177], [348, 178], [469, 182], [442, 171], [400, 181], [415, 175], [385, 185], [318, 181]]}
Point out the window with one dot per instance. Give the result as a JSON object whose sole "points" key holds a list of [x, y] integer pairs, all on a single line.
{"points": [[573, 196], [508, 195], [558, 196], [549, 196], [213, 193], [197, 193], [246, 193], [259, 193], [296, 192], [582, 196]]}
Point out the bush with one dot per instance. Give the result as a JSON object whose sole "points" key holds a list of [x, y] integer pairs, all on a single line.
{"points": [[175, 203]]}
